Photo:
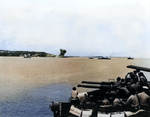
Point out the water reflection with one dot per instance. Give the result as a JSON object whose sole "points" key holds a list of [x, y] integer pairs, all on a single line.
{"points": [[35, 102]]}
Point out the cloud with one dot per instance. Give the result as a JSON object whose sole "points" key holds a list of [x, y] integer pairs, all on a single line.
{"points": [[84, 27]]}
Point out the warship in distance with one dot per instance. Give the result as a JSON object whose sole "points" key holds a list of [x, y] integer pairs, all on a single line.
{"points": [[100, 101], [107, 58], [130, 58]]}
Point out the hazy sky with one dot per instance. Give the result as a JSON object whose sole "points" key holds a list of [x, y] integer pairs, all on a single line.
{"points": [[82, 27]]}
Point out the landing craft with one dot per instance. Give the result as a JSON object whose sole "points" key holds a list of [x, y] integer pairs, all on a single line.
{"points": [[91, 104]]}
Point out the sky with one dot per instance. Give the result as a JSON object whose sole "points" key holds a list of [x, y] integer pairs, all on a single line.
{"points": [[82, 27]]}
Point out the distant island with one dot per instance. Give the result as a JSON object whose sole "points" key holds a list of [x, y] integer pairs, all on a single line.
{"points": [[22, 53]]}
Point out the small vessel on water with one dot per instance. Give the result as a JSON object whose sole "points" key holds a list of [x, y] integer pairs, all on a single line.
{"points": [[104, 58], [91, 57], [130, 58], [98, 103]]}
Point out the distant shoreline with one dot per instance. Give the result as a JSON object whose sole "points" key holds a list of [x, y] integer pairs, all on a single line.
{"points": [[44, 54], [22, 53]]}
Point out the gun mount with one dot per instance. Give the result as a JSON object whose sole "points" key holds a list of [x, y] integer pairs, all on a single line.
{"points": [[138, 68], [96, 99]]}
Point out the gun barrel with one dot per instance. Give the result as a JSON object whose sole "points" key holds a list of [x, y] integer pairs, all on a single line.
{"points": [[102, 83], [99, 87], [88, 86], [138, 68]]}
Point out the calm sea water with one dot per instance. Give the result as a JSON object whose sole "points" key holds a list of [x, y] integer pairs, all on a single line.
{"points": [[27, 86]]}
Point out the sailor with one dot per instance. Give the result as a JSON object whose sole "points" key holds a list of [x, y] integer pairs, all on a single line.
{"points": [[144, 98], [135, 75], [106, 100], [123, 80], [55, 108], [137, 86], [74, 93], [132, 102], [128, 77], [128, 85], [117, 101], [143, 79], [117, 83], [74, 97], [123, 91], [86, 100], [133, 79], [112, 95]]}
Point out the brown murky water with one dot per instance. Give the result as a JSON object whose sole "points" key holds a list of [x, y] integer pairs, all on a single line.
{"points": [[19, 75]]}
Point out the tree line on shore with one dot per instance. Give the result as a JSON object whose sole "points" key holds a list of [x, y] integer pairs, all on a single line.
{"points": [[22, 53]]}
